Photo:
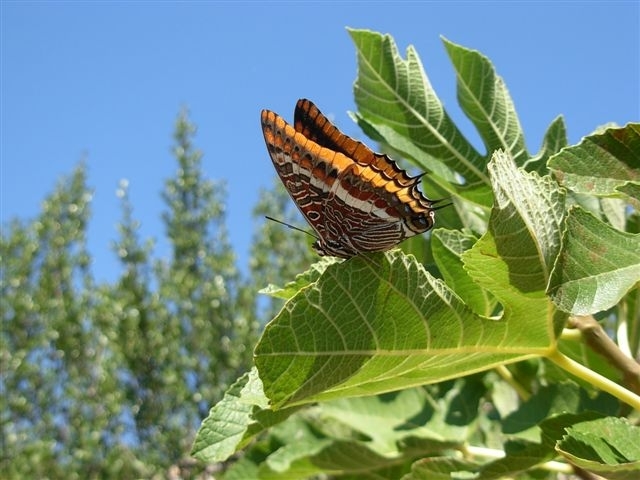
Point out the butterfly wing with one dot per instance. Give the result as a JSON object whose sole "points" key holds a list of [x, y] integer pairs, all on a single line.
{"points": [[378, 169], [310, 121], [307, 170], [355, 200]]}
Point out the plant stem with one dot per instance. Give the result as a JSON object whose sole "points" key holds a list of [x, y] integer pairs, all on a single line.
{"points": [[492, 453], [594, 378], [507, 377], [598, 340]]}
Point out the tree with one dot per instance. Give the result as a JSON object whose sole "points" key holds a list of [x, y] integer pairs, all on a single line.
{"points": [[112, 380], [186, 341], [57, 371], [377, 368]]}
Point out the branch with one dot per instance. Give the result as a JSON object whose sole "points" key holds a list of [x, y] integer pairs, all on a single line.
{"points": [[594, 378], [599, 341]]}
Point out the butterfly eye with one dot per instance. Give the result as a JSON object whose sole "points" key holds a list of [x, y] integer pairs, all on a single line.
{"points": [[421, 221]]}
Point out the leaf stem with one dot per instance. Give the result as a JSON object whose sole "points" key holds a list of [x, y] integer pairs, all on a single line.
{"points": [[594, 378], [494, 454], [506, 375]]}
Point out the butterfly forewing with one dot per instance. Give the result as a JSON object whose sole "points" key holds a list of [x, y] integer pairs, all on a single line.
{"points": [[310, 121], [356, 200], [307, 170]]}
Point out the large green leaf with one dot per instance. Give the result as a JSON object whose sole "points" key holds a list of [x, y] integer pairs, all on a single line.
{"points": [[601, 164], [598, 265], [380, 322], [395, 94], [513, 260], [484, 98], [397, 105]]}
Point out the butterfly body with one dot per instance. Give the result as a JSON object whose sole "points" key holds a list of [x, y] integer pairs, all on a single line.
{"points": [[356, 200]]}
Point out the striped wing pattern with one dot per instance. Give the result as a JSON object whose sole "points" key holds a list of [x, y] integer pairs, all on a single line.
{"points": [[356, 200]]}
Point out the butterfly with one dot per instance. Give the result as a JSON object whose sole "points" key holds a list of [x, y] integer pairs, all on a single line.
{"points": [[355, 200]]}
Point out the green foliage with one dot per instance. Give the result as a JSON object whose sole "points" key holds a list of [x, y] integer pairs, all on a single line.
{"points": [[57, 369], [457, 362], [200, 284], [615, 258], [387, 325], [112, 380], [613, 455]]}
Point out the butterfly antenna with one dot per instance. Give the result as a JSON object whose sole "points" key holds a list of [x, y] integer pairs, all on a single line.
{"points": [[292, 227], [438, 207], [442, 206]]}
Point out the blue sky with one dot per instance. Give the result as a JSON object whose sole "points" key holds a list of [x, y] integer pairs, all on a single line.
{"points": [[104, 82]]}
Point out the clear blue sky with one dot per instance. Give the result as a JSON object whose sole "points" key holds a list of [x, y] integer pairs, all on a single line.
{"points": [[104, 81]]}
